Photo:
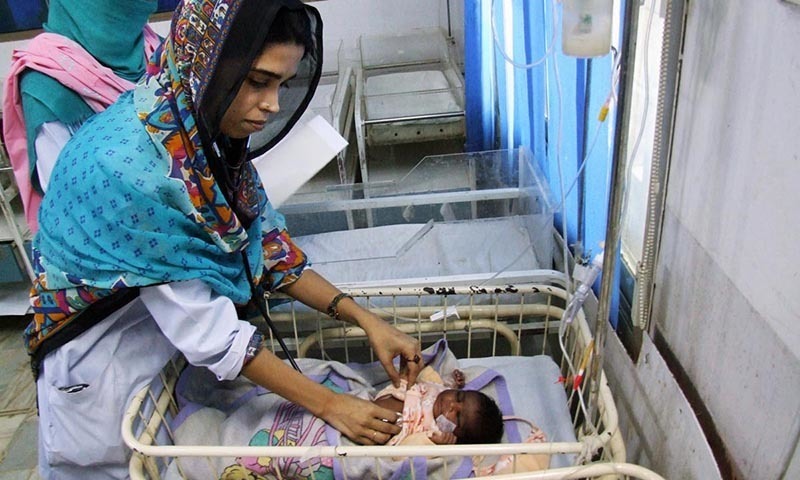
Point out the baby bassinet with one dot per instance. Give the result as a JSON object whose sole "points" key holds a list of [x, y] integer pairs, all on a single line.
{"points": [[506, 327]]}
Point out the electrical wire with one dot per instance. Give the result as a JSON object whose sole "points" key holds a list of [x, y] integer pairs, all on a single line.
{"points": [[610, 99]]}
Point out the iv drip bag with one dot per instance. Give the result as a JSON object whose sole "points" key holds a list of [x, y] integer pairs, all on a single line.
{"points": [[586, 27]]}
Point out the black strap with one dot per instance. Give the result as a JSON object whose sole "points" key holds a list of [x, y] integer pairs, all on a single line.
{"points": [[91, 316], [257, 296]]}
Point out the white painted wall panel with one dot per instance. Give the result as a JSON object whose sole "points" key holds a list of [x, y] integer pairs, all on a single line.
{"points": [[347, 19], [728, 277], [737, 150], [660, 429], [747, 377]]}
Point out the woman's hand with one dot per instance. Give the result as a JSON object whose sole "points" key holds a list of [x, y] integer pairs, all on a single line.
{"points": [[360, 420], [388, 342]]}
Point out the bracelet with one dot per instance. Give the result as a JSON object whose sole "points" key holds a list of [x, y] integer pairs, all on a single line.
{"points": [[253, 347], [333, 311]]}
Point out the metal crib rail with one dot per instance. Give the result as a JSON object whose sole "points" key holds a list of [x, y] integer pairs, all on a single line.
{"points": [[355, 332], [144, 462]]}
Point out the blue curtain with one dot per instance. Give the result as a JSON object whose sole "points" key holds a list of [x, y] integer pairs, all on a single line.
{"points": [[551, 108]]}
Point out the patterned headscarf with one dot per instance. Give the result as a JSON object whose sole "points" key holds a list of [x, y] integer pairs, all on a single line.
{"points": [[128, 208], [211, 47], [204, 34]]}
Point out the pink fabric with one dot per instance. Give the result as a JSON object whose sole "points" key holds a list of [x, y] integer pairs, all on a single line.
{"points": [[67, 62], [418, 403]]}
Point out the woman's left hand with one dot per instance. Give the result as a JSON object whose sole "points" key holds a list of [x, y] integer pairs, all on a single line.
{"points": [[388, 343]]}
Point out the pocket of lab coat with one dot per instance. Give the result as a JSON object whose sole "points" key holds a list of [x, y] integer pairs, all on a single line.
{"points": [[86, 384], [83, 420]]}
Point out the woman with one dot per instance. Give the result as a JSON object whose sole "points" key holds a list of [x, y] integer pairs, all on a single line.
{"points": [[155, 219], [90, 52]]}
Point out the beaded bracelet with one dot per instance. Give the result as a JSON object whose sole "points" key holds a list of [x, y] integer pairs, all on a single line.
{"points": [[333, 311]]}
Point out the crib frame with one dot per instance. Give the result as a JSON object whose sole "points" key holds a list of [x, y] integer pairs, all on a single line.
{"points": [[521, 314]]}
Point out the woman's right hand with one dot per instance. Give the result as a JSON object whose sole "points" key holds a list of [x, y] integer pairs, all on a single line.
{"points": [[360, 420]]}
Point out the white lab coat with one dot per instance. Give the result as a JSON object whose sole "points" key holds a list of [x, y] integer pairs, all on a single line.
{"points": [[86, 385]]}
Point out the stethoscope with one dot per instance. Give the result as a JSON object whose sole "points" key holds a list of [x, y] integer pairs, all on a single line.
{"points": [[257, 296], [256, 291]]}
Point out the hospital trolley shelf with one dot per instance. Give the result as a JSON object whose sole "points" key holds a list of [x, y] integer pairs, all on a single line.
{"points": [[408, 89]]}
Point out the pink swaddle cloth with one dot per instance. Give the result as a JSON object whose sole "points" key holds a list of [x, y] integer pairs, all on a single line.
{"points": [[418, 403]]}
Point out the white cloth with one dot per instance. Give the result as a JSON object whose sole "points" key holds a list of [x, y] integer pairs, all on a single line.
{"points": [[50, 139], [86, 385]]}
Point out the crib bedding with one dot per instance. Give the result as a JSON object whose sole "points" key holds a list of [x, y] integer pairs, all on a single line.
{"points": [[238, 413]]}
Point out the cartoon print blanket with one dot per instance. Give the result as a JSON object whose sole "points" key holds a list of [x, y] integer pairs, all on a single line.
{"points": [[239, 413]]}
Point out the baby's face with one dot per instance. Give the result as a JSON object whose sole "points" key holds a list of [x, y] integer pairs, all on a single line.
{"points": [[460, 407]]}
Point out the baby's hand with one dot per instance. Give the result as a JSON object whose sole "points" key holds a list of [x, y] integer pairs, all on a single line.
{"points": [[458, 378], [443, 438]]}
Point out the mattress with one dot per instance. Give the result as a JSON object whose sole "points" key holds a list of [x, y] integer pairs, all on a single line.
{"points": [[238, 414]]}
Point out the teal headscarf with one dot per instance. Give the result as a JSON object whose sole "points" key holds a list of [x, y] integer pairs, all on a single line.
{"points": [[111, 31]]}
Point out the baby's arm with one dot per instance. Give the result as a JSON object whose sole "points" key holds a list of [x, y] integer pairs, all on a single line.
{"points": [[389, 402], [443, 438]]}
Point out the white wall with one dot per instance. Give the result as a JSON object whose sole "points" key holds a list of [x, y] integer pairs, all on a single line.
{"points": [[659, 428], [345, 20], [728, 281]]}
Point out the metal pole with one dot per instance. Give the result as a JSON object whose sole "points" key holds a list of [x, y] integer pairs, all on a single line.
{"points": [[616, 198]]}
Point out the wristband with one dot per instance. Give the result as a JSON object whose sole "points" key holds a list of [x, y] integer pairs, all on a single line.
{"points": [[333, 310], [254, 346]]}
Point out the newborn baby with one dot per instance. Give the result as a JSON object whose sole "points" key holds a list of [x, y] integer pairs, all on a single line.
{"points": [[432, 411]]}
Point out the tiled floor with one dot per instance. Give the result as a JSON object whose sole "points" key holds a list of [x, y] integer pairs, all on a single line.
{"points": [[18, 420]]}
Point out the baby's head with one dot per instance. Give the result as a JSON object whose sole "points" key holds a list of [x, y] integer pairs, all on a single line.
{"points": [[475, 414]]}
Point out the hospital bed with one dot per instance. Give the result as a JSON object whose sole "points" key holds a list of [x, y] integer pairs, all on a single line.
{"points": [[501, 314], [408, 89]]}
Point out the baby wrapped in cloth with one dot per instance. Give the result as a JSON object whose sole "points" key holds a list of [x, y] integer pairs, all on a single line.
{"points": [[435, 412]]}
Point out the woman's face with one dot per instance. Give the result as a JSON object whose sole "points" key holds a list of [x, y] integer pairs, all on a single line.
{"points": [[258, 95], [459, 406]]}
